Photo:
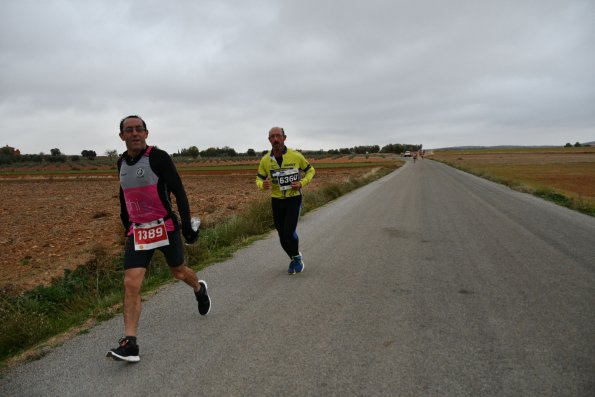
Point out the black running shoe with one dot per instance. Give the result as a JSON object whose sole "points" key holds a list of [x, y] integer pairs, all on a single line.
{"points": [[127, 351], [202, 296]]}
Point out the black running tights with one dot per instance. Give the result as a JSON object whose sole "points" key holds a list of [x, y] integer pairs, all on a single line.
{"points": [[286, 213]]}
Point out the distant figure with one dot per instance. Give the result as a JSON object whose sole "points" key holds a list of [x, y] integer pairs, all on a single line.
{"points": [[279, 170], [414, 156], [147, 176]]}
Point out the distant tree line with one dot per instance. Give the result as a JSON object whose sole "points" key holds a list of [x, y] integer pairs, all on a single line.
{"points": [[354, 150], [226, 151], [400, 148], [396, 148], [10, 155]]}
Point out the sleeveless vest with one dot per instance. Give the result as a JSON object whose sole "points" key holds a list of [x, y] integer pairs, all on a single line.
{"points": [[139, 184]]}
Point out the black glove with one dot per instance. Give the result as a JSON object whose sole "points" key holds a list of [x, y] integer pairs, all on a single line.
{"points": [[191, 235]]}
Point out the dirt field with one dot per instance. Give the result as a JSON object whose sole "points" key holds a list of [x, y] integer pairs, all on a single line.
{"points": [[53, 222], [568, 170]]}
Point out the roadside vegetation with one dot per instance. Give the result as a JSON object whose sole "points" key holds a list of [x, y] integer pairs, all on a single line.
{"points": [[32, 322], [565, 176]]}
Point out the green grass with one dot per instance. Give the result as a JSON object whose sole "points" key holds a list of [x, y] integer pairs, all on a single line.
{"points": [[28, 319], [94, 290]]}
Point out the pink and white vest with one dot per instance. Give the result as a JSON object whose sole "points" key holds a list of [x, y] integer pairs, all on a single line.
{"points": [[140, 186]]}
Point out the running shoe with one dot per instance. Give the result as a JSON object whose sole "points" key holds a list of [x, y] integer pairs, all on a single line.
{"points": [[202, 297], [298, 264], [127, 351], [291, 269]]}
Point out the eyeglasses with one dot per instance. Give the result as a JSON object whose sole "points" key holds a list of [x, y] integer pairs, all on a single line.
{"points": [[138, 128]]}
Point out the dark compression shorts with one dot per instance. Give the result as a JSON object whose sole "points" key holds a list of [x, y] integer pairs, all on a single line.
{"points": [[174, 252]]}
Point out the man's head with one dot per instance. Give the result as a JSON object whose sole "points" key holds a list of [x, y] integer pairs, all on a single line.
{"points": [[133, 131], [131, 117], [277, 138]]}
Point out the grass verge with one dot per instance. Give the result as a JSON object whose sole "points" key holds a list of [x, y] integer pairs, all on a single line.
{"points": [[31, 322]]}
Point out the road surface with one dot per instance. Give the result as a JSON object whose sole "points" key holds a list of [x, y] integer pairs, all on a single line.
{"points": [[428, 282]]}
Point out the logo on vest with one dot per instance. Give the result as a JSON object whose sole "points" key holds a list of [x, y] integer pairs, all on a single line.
{"points": [[140, 172]]}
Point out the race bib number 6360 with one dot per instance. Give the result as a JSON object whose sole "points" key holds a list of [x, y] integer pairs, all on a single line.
{"points": [[286, 177]]}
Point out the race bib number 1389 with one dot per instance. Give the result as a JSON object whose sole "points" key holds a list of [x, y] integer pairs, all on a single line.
{"points": [[150, 235]]}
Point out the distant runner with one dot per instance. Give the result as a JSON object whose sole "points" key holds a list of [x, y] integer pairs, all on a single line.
{"points": [[280, 170], [147, 176]]}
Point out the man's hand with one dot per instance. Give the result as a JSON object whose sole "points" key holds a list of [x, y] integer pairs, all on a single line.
{"points": [[191, 236], [296, 185], [266, 184]]}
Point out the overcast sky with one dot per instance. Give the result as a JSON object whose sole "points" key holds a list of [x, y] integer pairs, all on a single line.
{"points": [[333, 73]]}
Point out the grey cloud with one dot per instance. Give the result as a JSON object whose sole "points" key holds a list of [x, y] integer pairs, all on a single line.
{"points": [[334, 73]]}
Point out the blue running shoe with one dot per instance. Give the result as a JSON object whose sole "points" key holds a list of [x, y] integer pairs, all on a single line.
{"points": [[298, 264], [291, 269]]}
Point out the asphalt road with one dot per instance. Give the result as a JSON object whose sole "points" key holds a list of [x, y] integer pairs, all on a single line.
{"points": [[428, 282]]}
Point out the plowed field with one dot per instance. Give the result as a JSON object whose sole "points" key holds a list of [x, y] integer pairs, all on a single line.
{"points": [[53, 222], [567, 170]]}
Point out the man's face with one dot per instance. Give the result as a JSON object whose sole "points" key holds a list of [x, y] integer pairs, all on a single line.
{"points": [[276, 138], [134, 134]]}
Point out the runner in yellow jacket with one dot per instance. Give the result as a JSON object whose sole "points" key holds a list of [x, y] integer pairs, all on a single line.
{"points": [[285, 172]]}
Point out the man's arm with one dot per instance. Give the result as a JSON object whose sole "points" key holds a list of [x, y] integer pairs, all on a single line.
{"points": [[165, 169], [262, 181], [123, 211], [308, 171]]}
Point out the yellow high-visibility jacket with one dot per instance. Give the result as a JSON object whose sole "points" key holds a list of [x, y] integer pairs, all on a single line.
{"points": [[293, 167]]}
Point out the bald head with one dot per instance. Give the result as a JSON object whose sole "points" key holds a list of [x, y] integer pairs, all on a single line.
{"points": [[277, 139], [276, 131]]}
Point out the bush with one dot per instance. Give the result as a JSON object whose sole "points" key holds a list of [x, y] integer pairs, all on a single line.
{"points": [[56, 159]]}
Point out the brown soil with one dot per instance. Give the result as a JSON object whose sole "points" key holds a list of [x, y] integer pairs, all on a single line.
{"points": [[571, 171], [52, 223]]}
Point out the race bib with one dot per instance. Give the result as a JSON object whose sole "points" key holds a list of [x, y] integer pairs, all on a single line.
{"points": [[150, 235], [285, 177]]}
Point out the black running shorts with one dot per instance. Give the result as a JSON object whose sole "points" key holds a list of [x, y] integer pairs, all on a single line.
{"points": [[174, 252]]}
